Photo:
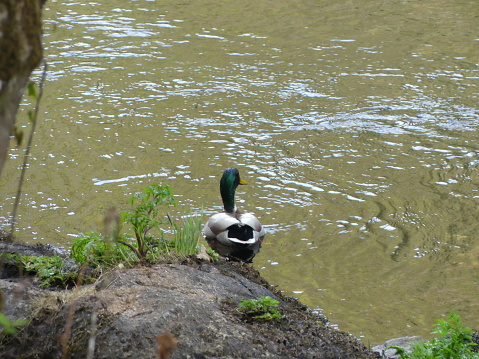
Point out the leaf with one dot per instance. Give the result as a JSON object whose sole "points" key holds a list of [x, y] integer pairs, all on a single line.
{"points": [[31, 116], [18, 134], [9, 327], [32, 92]]}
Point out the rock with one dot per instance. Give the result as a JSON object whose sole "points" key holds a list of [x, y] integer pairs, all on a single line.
{"points": [[403, 342], [203, 254], [127, 310]]}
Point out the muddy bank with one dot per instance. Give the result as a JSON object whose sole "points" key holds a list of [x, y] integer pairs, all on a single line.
{"points": [[123, 313]]}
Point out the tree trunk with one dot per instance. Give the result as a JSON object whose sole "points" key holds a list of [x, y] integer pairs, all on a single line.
{"points": [[20, 52]]}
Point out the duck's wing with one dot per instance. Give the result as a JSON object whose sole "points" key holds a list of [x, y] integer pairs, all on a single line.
{"points": [[253, 222], [218, 223]]}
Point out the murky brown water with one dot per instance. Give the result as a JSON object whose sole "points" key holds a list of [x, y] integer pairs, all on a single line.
{"points": [[356, 124]]}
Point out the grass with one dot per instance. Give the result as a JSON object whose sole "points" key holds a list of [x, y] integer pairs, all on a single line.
{"points": [[187, 234]]}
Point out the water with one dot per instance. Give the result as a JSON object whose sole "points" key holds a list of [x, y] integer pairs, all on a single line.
{"points": [[354, 123]]}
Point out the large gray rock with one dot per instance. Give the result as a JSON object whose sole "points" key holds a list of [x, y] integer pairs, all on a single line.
{"points": [[124, 312]]}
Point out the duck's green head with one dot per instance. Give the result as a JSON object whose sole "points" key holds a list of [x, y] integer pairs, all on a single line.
{"points": [[230, 180]]}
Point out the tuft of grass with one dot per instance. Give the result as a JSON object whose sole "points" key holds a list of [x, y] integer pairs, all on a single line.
{"points": [[187, 234], [262, 309], [454, 342]]}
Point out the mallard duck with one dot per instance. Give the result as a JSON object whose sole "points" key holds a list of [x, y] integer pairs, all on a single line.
{"points": [[233, 234]]}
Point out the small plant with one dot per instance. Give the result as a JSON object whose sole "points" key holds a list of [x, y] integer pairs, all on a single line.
{"points": [[8, 326], [264, 308], [145, 217], [149, 225], [18, 134], [455, 342], [214, 255], [49, 270], [91, 247]]}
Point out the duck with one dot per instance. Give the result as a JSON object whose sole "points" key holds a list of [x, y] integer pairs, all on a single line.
{"points": [[233, 234]]}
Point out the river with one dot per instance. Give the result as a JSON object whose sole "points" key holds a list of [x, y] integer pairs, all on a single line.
{"points": [[354, 122]]}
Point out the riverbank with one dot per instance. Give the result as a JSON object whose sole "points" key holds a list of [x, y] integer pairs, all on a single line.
{"points": [[128, 311]]}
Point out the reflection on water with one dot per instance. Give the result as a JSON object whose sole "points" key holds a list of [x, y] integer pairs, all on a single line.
{"points": [[356, 128]]}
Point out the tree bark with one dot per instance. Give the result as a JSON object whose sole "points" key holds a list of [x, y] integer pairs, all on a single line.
{"points": [[20, 52]]}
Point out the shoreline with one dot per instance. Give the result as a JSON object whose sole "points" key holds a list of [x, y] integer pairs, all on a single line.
{"points": [[172, 283], [21, 293]]}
